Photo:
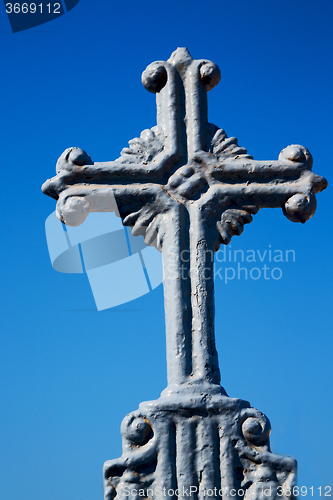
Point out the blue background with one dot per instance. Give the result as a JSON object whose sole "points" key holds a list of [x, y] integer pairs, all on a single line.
{"points": [[69, 373]]}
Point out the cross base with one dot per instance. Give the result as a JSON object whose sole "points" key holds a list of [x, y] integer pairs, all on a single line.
{"points": [[198, 445]]}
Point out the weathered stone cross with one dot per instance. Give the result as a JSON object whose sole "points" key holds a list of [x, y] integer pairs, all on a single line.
{"points": [[187, 184], [187, 188]]}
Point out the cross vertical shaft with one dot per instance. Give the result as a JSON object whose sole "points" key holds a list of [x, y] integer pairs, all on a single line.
{"points": [[205, 361], [188, 267], [177, 298]]}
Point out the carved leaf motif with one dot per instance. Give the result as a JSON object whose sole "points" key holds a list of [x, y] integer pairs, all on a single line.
{"points": [[148, 221], [233, 221], [223, 146], [144, 148]]}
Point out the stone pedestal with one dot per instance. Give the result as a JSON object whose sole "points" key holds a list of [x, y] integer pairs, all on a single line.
{"points": [[201, 445]]}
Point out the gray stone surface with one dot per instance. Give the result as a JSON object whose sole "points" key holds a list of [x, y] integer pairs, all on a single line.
{"points": [[187, 188]]}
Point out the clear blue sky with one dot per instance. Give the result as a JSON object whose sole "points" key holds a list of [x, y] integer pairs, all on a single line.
{"points": [[69, 373]]}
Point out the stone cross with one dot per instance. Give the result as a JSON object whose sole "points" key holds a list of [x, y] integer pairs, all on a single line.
{"points": [[187, 188]]}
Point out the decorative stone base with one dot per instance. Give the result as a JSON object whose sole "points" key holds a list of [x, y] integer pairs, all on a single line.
{"points": [[198, 445]]}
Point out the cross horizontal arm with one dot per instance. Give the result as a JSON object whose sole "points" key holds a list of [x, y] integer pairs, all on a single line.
{"points": [[76, 202], [234, 203], [267, 194], [228, 170], [246, 184], [292, 161], [75, 166]]}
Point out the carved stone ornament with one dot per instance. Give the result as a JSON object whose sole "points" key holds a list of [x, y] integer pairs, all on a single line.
{"points": [[187, 187]]}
